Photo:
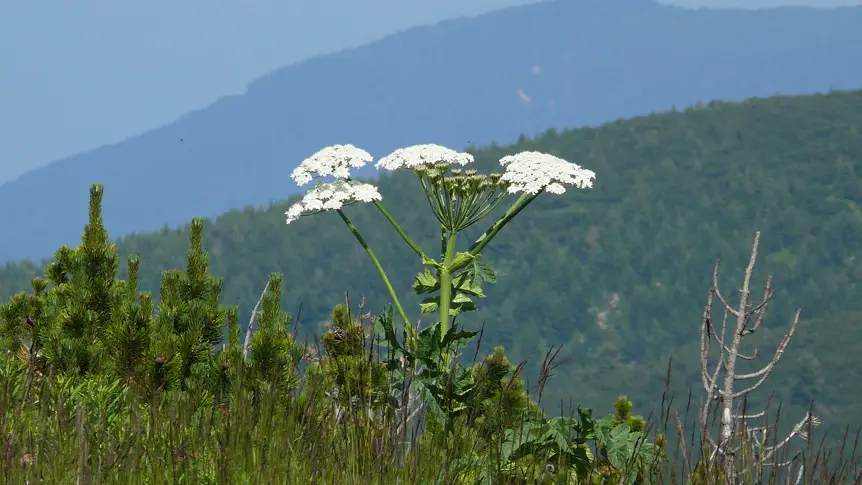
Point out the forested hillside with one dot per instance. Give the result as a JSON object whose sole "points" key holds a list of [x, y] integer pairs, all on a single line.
{"points": [[618, 273], [561, 63]]}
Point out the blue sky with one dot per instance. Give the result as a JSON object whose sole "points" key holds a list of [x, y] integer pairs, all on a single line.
{"points": [[77, 75]]}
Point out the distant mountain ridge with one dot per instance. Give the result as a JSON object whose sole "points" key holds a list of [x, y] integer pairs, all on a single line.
{"points": [[466, 81]]}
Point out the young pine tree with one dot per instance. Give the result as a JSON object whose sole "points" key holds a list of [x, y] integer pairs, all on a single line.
{"points": [[190, 323], [274, 354]]}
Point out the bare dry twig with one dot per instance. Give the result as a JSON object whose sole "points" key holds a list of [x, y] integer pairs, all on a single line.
{"points": [[724, 394], [251, 321]]}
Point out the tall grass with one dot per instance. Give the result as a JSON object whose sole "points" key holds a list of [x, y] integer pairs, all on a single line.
{"points": [[97, 386], [99, 431]]}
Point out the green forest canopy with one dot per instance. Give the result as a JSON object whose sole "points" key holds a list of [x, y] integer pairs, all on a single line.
{"points": [[619, 273]]}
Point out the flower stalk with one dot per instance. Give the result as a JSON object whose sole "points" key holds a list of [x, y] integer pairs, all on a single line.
{"points": [[446, 280], [400, 231], [376, 262], [510, 214]]}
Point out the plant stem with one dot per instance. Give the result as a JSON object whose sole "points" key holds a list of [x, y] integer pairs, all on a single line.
{"points": [[401, 232], [446, 282], [488, 235], [376, 262]]}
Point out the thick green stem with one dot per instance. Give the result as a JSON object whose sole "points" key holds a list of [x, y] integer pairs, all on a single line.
{"points": [[401, 232], [407, 327], [510, 214], [446, 283]]}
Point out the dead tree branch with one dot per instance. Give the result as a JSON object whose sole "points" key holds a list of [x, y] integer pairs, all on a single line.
{"points": [[732, 424], [251, 321]]}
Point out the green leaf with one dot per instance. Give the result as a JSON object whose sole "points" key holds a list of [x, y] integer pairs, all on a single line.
{"points": [[463, 285], [618, 446], [620, 433], [434, 408], [516, 439], [430, 331], [559, 432], [480, 272], [460, 261], [385, 321], [603, 429], [460, 303], [461, 298], [559, 436], [457, 336], [430, 262], [430, 304], [426, 282], [618, 456], [429, 344], [587, 427], [580, 458]]}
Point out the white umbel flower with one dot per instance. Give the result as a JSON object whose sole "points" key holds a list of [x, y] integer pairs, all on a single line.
{"points": [[327, 196], [533, 171], [335, 161], [417, 155]]}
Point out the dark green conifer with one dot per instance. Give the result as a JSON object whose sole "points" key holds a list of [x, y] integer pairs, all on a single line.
{"points": [[274, 355]]}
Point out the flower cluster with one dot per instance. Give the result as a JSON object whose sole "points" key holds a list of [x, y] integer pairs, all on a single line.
{"points": [[532, 172], [423, 155], [458, 198], [457, 182], [332, 196], [335, 161]]}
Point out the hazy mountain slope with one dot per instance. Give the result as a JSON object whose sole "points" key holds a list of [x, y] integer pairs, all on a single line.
{"points": [[618, 273], [520, 70]]}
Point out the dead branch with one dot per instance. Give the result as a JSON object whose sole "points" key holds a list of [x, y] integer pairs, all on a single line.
{"points": [[733, 425], [251, 321]]}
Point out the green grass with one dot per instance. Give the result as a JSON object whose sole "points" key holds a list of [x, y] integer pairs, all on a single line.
{"points": [[98, 431]]}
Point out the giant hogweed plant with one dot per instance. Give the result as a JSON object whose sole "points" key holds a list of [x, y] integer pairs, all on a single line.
{"points": [[459, 198]]}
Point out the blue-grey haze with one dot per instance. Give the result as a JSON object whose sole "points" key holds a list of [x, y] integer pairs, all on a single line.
{"points": [[77, 75], [492, 77]]}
